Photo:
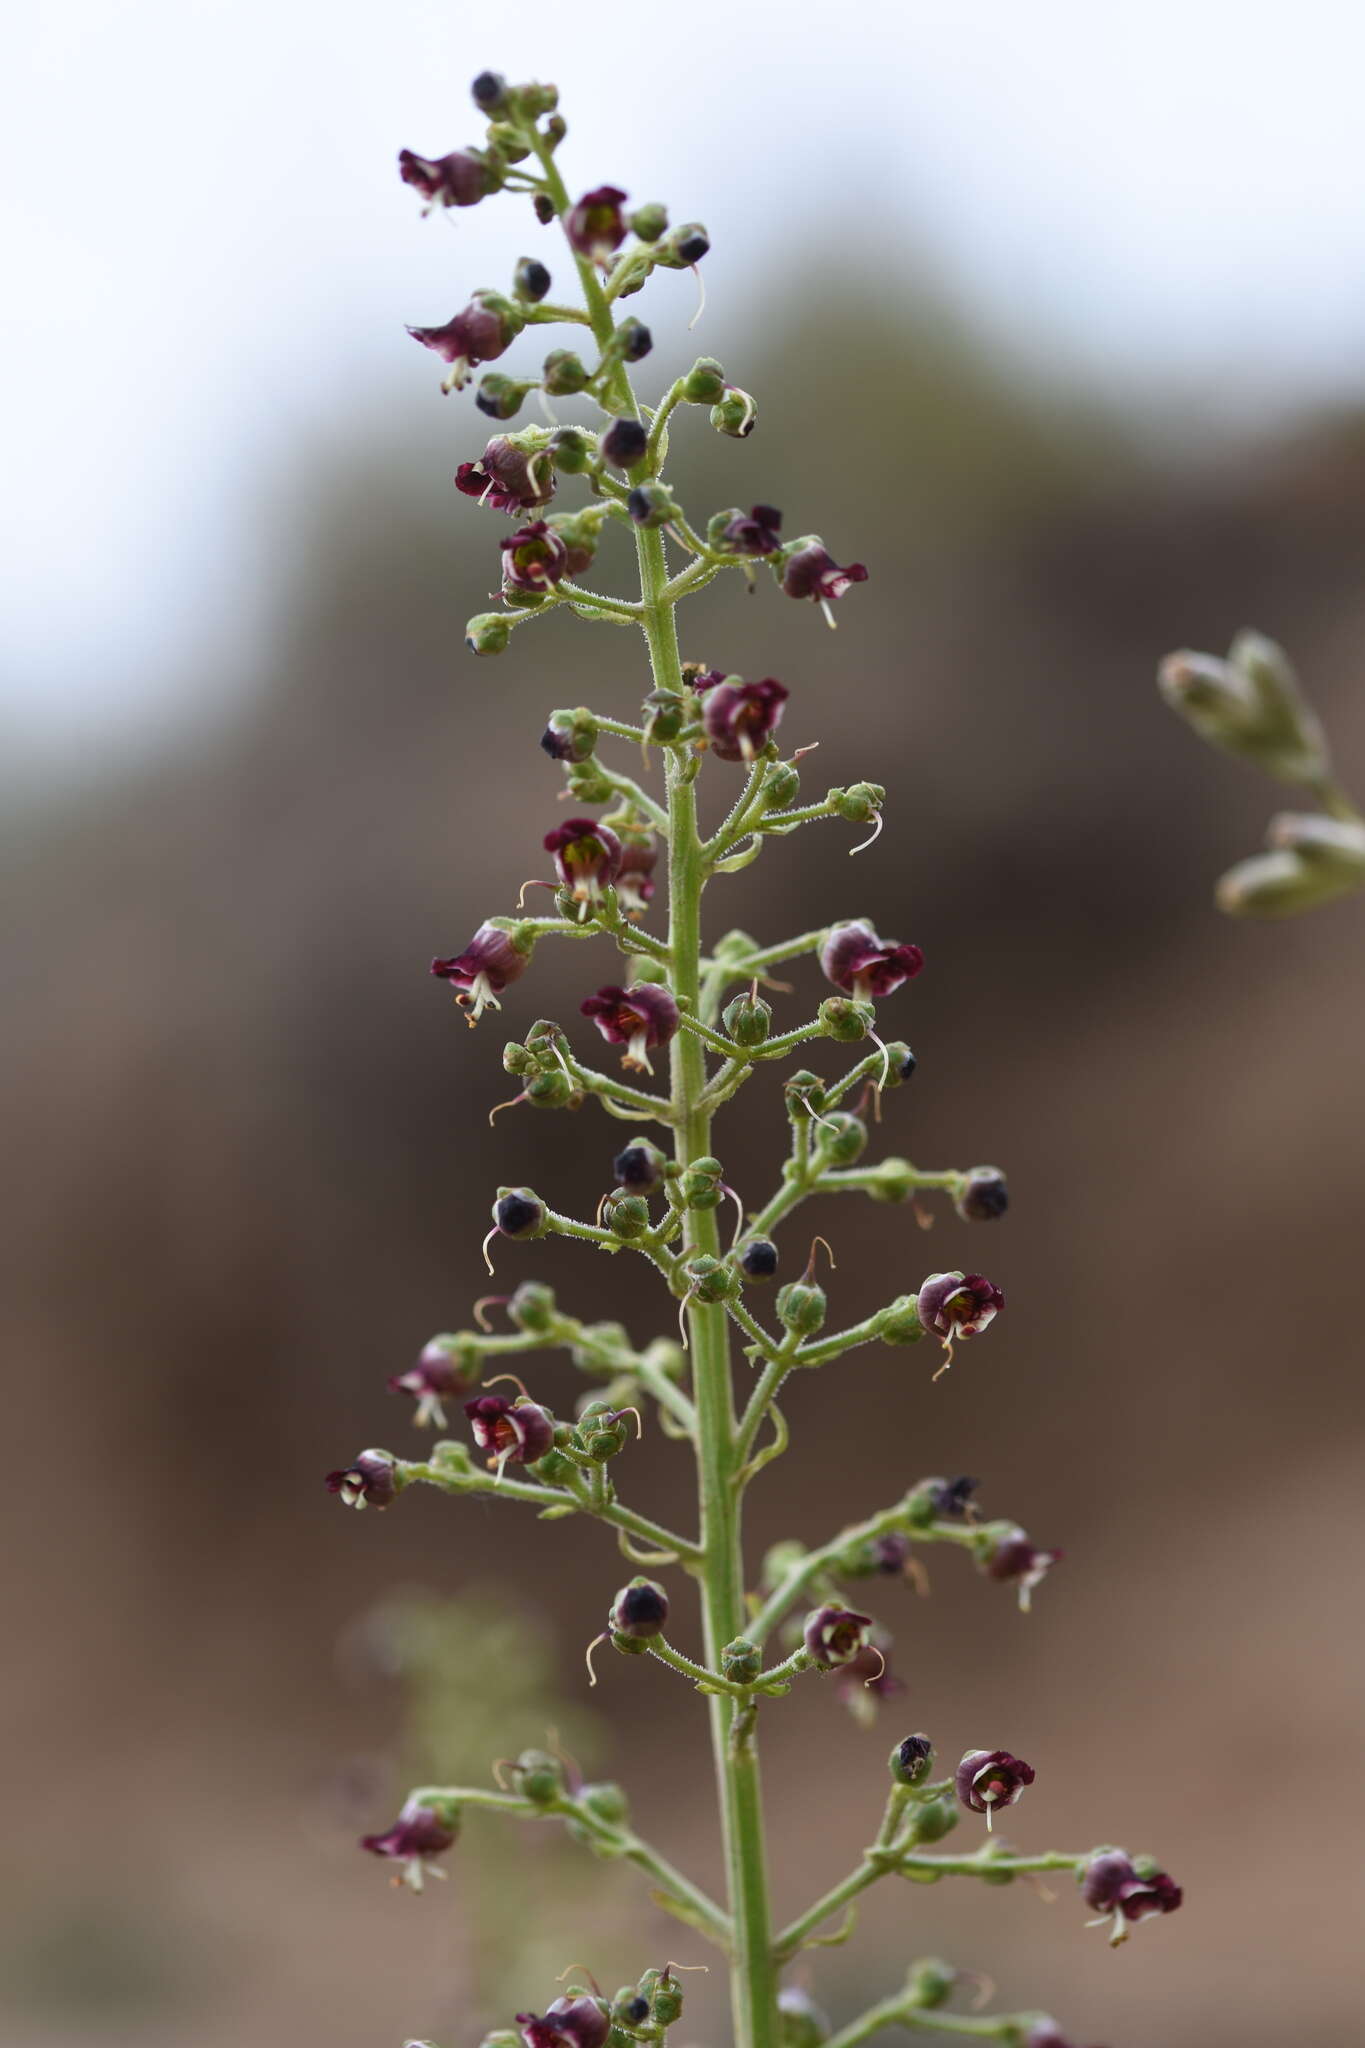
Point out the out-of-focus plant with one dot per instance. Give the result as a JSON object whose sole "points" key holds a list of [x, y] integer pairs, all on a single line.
{"points": [[705, 1010], [1251, 705]]}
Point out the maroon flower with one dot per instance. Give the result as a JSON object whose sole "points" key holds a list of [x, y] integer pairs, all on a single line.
{"points": [[982, 1196], [639, 1017], [1114, 1887], [988, 1778], [508, 478], [587, 857], [370, 1483], [596, 226], [418, 1833], [864, 966], [955, 1305], [435, 1379], [634, 880], [835, 1636], [952, 1497], [482, 332], [811, 571], [640, 1611], [516, 1432], [1045, 2033], [569, 2023], [480, 974], [534, 558], [740, 718], [461, 179], [753, 533], [1015, 1561]]}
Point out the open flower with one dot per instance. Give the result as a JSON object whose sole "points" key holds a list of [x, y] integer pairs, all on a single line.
{"points": [[1015, 1561], [436, 1378], [480, 974], [755, 532], [811, 571], [516, 1432], [634, 880], [370, 1483], [955, 1305], [461, 179], [863, 965], [988, 1778], [507, 478], [596, 226], [569, 2023], [482, 332], [419, 1833], [534, 558], [740, 718], [640, 1017], [587, 857], [835, 1636], [1117, 1890]]}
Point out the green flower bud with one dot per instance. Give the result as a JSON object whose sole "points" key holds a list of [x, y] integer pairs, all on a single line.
{"points": [[532, 1308], [563, 375], [531, 280], [741, 1661], [632, 341], [539, 1776], [517, 1060], [500, 396], [802, 1306], [911, 1761], [488, 633], [895, 1179], [553, 1089], [700, 1185], [1335, 845], [666, 713], [800, 2022], [1250, 705], [931, 1983], [805, 1095], [665, 1995], [710, 1279], [603, 1432], [846, 1141], [900, 1323], [570, 735], [1278, 884], [846, 1020], [748, 1019], [684, 247], [648, 221], [571, 450], [859, 804], [704, 383], [735, 414], [506, 140], [934, 1819], [781, 786], [652, 504], [606, 1802], [588, 783], [627, 1216]]}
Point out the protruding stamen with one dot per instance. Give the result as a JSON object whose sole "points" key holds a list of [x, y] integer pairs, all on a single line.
{"points": [[532, 883], [487, 1241], [500, 1464], [701, 300], [587, 1656], [876, 1674], [510, 1103], [947, 1361], [726, 1189], [875, 834], [830, 619], [886, 1069], [486, 1301]]}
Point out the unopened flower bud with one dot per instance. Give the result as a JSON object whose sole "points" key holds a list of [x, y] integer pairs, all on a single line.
{"points": [[487, 633], [834, 1636], [700, 1185], [605, 1801], [781, 786], [639, 1612], [666, 713], [641, 1018], [604, 1431], [931, 1983], [624, 443], [446, 1370], [805, 1095], [758, 1260], [704, 383], [500, 396], [648, 221], [371, 1482], [987, 1779], [596, 226], [489, 92], [845, 1020], [632, 341], [665, 1996], [843, 1138], [652, 504], [540, 1777], [1280, 884], [800, 2022], [748, 1019], [932, 1820], [563, 375], [860, 803], [683, 247], [570, 735], [867, 967], [571, 450], [532, 1307], [531, 280], [516, 1432], [519, 1213], [1334, 845], [982, 1195], [626, 1216], [1250, 705], [709, 1279], [741, 1661], [911, 1761], [639, 1169], [734, 413], [544, 208], [802, 1305], [420, 1832]]}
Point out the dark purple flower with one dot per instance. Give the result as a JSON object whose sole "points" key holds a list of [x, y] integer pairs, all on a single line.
{"points": [[754, 533], [480, 974], [587, 857], [864, 966], [1015, 1561], [835, 1636], [435, 1379], [640, 1611], [461, 179], [1045, 2033], [482, 332], [370, 1483], [811, 571], [952, 1497], [955, 1305], [982, 1196], [988, 1778], [891, 1554], [1113, 1887], [418, 1833], [534, 558], [508, 478], [516, 1432], [596, 226], [634, 881], [740, 718], [580, 2022], [639, 1017]]}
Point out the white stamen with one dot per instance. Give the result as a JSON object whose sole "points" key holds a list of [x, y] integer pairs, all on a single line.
{"points": [[863, 844], [487, 1241], [830, 619], [701, 297]]}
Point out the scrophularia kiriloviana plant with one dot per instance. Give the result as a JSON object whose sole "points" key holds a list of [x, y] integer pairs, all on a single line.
{"points": [[633, 875]]}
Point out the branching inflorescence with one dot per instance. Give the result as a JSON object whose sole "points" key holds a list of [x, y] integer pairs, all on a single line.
{"points": [[704, 1015]]}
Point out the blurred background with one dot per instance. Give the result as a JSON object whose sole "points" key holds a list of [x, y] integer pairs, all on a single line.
{"points": [[1057, 322]]}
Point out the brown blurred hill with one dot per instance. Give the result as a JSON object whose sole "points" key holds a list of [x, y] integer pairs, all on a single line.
{"points": [[251, 1163]]}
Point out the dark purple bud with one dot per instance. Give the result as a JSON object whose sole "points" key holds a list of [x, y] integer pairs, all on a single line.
{"points": [[372, 1482], [734, 413], [741, 718], [640, 1017], [544, 208], [518, 1213], [489, 92], [890, 1554], [461, 179], [1009, 1557], [624, 443], [811, 571], [439, 1375], [531, 280], [652, 504], [482, 332], [479, 975], [1113, 1886], [640, 1611], [534, 558], [864, 966], [991, 1778], [951, 1498], [507, 478], [907, 1065], [633, 341], [835, 1635], [639, 1169], [587, 857], [418, 1833], [634, 880], [982, 1196], [685, 246], [759, 1258], [575, 2022], [910, 1760], [516, 1432], [955, 1305], [563, 373], [500, 397], [570, 735], [753, 533], [596, 226]]}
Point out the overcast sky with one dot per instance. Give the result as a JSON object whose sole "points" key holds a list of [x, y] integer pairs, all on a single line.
{"points": [[208, 253]]}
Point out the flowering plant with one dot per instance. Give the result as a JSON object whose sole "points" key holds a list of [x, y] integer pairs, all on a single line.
{"points": [[635, 876]]}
